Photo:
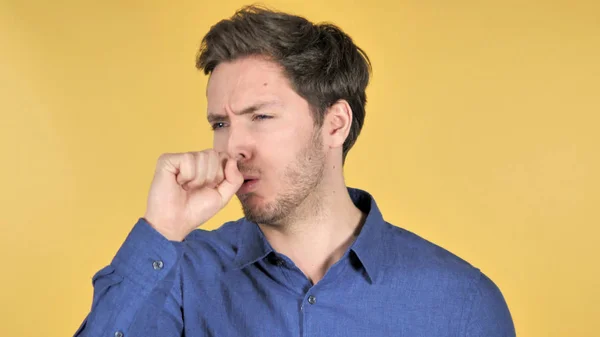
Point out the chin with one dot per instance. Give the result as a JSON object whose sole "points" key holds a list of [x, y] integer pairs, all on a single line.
{"points": [[252, 202], [256, 209]]}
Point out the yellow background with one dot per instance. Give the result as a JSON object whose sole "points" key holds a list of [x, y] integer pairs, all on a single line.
{"points": [[481, 136]]}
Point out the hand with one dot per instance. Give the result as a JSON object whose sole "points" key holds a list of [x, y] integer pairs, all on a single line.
{"points": [[188, 189]]}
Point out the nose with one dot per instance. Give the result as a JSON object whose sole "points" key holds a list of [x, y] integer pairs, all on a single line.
{"points": [[239, 143]]}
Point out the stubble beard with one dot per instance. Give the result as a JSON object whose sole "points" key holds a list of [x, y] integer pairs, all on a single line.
{"points": [[300, 181]]}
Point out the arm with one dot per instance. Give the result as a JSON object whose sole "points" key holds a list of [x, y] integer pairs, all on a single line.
{"points": [[139, 293], [487, 314]]}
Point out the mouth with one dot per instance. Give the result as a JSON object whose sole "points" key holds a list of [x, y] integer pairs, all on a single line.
{"points": [[249, 185]]}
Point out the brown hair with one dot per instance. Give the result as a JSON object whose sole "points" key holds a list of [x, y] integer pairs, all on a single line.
{"points": [[321, 62]]}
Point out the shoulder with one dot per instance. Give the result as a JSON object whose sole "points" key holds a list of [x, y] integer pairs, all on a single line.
{"points": [[487, 313], [425, 266], [412, 250]]}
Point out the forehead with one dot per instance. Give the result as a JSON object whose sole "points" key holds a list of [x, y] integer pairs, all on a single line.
{"points": [[245, 80]]}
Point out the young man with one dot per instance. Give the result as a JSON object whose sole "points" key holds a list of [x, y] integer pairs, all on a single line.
{"points": [[311, 257]]}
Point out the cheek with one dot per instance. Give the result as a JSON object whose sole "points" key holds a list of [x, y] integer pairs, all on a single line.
{"points": [[280, 157], [277, 148], [272, 157]]}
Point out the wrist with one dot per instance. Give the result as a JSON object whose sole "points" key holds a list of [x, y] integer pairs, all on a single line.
{"points": [[168, 234]]}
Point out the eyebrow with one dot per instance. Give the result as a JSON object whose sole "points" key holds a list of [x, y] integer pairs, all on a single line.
{"points": [[213, 117]]}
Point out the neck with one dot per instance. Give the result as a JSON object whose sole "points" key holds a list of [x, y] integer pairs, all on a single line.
{"points": [[320, 231]]}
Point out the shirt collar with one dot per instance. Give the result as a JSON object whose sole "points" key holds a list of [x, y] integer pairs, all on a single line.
{"points": [[369, 245], [252, 244]]}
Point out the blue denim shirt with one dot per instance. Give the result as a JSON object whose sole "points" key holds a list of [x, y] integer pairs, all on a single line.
{"points": [[230, 282]]}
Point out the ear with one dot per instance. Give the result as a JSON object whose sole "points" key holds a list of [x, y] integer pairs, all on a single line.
{"points": [[336, 125]]}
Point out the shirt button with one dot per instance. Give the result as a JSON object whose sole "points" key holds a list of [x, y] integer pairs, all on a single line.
{"points": [[118, 334], [312, 299], [279, 262], [157, 265]]}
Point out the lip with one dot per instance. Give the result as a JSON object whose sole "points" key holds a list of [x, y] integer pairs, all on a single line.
{"points": [[249, 185]]}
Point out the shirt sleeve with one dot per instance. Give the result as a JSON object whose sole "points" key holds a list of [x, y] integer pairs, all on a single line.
{"points": [[488, 314], [139, 293]]}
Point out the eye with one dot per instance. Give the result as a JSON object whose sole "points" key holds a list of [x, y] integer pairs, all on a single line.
{"points": [[261, 117], [217, 125]]}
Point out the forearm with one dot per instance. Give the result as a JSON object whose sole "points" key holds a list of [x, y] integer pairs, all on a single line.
{"points": [[139, 289]]}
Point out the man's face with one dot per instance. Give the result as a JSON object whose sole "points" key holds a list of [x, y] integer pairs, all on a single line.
{"points": [[260, 120]]}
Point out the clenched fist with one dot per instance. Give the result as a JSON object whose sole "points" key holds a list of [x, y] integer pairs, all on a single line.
{"points": [[188, 189]]}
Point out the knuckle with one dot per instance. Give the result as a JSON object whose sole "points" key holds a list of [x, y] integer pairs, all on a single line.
{"points": [[187, 164], [162, 161], [163, 158], [200, 157], [188, 156]]}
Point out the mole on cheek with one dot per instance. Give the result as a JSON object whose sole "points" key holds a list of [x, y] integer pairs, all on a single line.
{"points": [[265, 84]]}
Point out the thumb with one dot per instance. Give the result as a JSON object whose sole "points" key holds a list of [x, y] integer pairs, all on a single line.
{"points": [[232, 182]]}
